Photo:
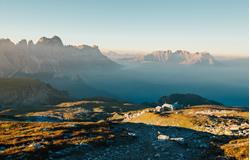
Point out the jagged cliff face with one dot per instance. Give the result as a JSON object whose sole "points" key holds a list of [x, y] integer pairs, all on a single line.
{"points": [[180, 57], [27, 92], [166, 57], [49, 55]]}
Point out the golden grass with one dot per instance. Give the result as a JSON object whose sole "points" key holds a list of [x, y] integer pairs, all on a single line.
{"points": [[186, 118], [16, 137], [238, 149], [179, 120], [77, 103]]}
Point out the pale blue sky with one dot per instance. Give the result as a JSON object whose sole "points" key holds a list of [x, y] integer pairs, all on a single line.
{"points": [[216, 26]]}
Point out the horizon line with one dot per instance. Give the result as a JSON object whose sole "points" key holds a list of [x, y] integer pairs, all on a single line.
{"points": [[123, 50]]}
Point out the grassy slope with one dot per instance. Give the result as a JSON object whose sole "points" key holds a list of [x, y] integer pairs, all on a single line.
{"points": [[187, 118], [17, 137], [238, 148]]}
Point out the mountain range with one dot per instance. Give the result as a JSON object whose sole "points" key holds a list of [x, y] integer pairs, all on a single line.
{"points": [[165, 57], [49, 55], [86, 71]]}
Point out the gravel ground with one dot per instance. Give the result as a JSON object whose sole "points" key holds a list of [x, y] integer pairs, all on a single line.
{"points": [[142, 143]]}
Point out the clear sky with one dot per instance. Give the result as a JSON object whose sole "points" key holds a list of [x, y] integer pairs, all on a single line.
{"points": [[216, 26]]}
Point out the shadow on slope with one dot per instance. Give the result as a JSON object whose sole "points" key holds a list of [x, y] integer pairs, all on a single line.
{"points": [[107, 141], [88, 109]]}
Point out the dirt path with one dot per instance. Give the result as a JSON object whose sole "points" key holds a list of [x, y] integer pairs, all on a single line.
{"points": [[145, 145]]}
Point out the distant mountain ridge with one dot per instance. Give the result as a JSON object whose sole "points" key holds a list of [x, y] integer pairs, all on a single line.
{"points": [[187, 100], [183, 100], [28, 92], [49, 55], [165, 57]]}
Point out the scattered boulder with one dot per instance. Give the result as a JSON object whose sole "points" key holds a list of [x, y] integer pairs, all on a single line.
{"points": [[36, 146], [163, 137], [157, 155], [131, 134], [180, 140]]}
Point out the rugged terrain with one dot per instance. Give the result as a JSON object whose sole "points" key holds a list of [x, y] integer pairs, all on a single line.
{"points": [[49, 55], [180, 57], [104, 128]]}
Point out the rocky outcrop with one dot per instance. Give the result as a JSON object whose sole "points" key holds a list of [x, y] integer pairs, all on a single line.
{"points": [[180, 57], [54, 41]]}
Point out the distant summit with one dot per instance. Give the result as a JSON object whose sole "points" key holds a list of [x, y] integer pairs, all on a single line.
{"points": [[54, 41], [6, 42], [22, 43], [166, 57], [50, 55], [180, 57]]}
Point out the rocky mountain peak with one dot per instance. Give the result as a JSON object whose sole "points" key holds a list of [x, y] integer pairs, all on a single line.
{"points": [[51, 56], [84, 46], [54, 41], [22, 43], [166, 57], [30, 43], [6, 42], [182, 52], [180, 57]]}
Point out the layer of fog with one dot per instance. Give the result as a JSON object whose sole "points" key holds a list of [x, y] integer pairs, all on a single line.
{"points": [[227, 83]]}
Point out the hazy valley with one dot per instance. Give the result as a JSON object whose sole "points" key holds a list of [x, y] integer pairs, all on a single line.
{"points": [[85, 71]]}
